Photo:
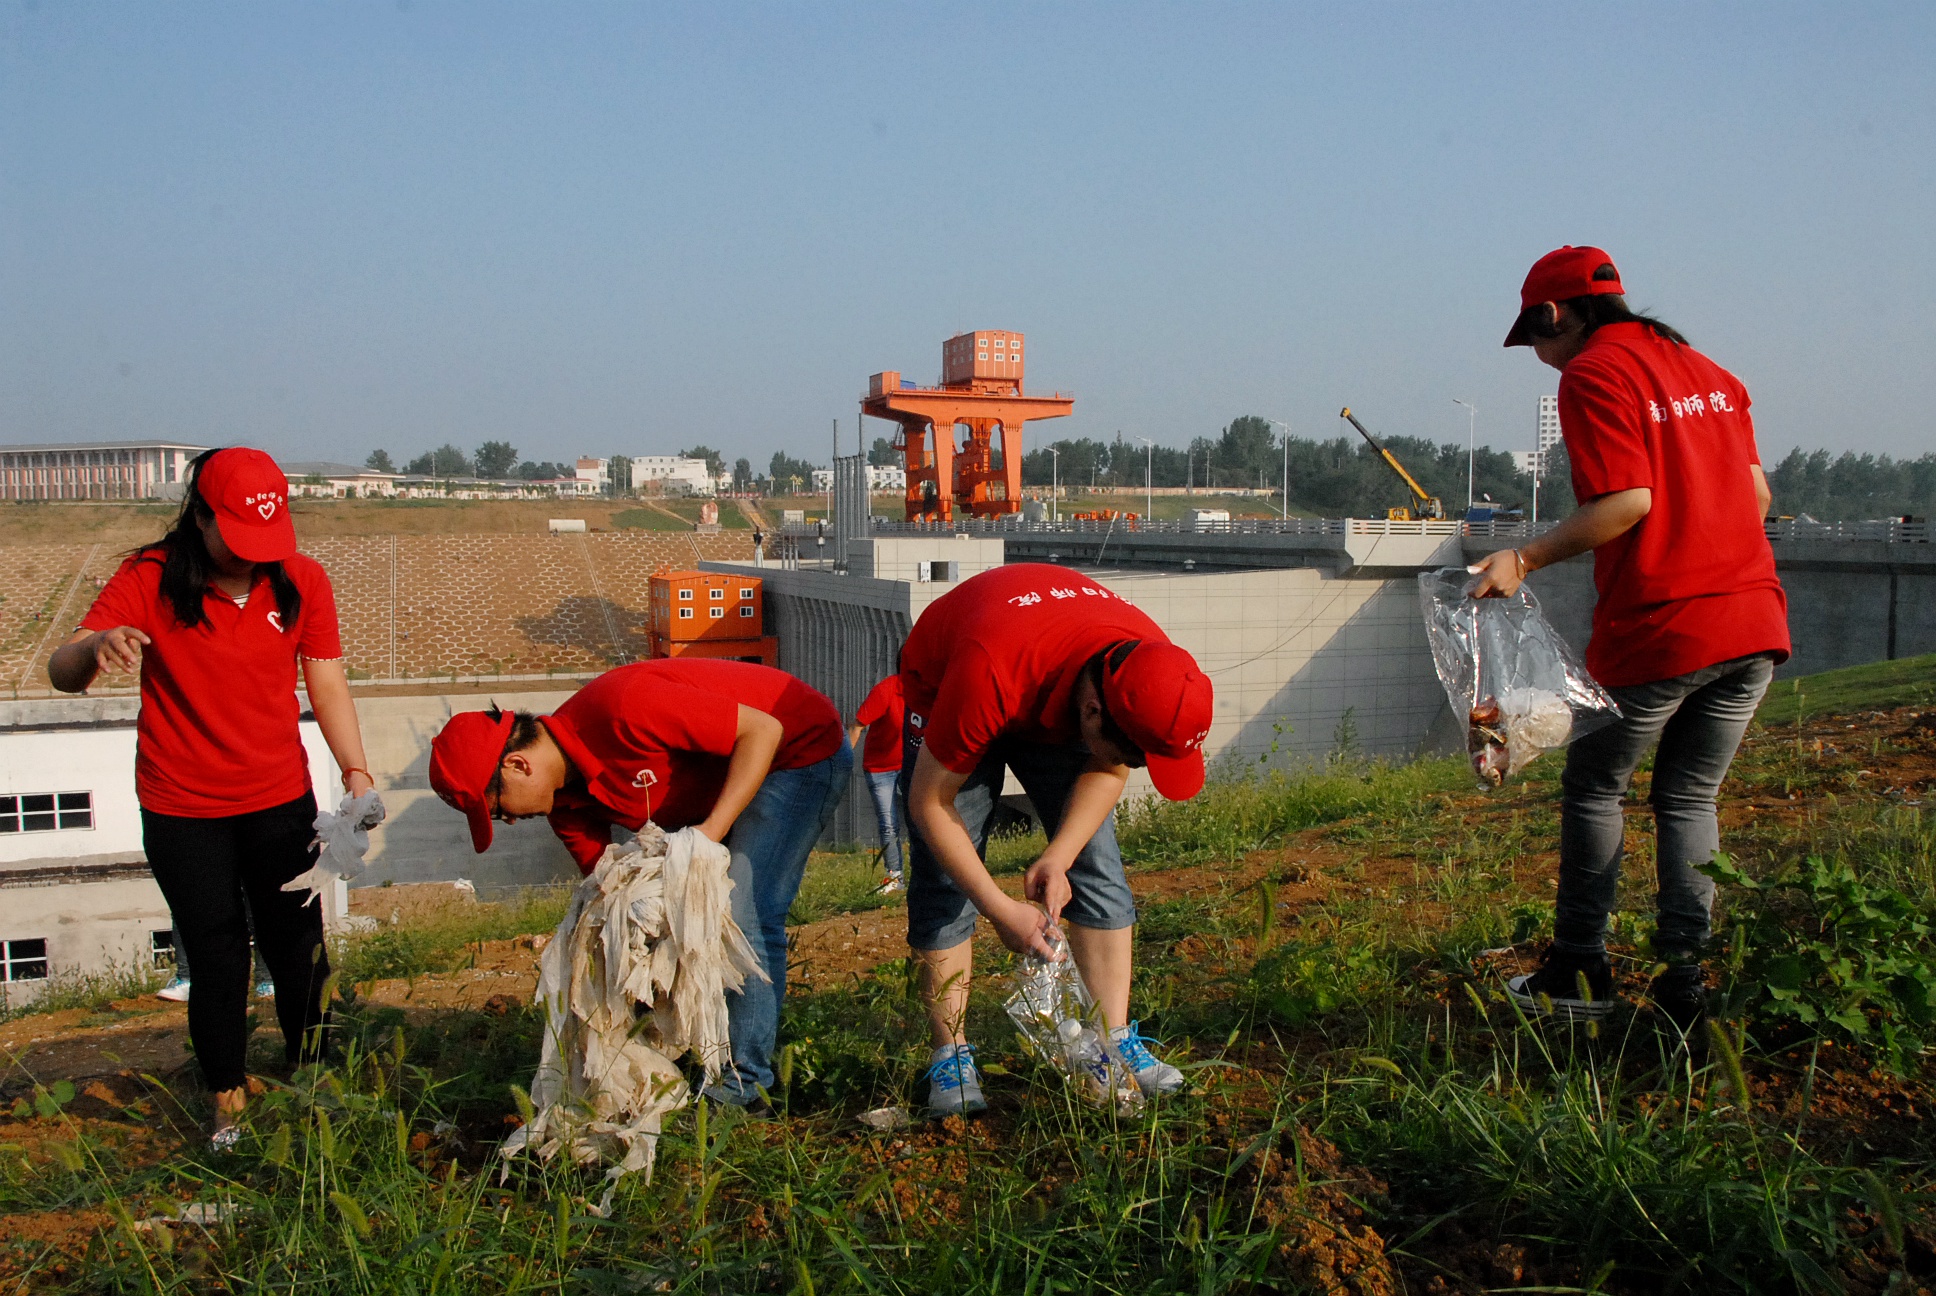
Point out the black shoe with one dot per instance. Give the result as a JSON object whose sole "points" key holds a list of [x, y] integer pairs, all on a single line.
{"points": [[758, 1109], [1680, 996], [1567, 987]]}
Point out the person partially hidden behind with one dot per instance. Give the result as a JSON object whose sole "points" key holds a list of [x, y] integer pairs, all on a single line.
{"points": [[1688, 627]]}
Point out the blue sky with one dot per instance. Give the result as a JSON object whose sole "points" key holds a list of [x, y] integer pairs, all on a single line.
{"points": [[626, 228]]}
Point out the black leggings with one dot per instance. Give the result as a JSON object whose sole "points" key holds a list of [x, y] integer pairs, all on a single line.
{"points": [[206, 867]]}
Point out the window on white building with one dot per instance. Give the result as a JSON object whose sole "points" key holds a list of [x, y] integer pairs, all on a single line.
{"points": [[46, 812], [23, 960], [685, 614], [161, 947], [685, 594]]}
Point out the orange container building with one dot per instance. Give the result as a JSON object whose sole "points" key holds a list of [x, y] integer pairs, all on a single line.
{"points": [[990, 355], [704, 607]]}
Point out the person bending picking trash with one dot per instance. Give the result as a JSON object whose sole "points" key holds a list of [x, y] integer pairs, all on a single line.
{"points": [[217, 615], [1689, 623], [883, 715], [748, 755], [1037, 669]]}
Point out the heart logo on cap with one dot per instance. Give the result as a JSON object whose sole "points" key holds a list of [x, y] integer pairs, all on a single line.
{"points": [[267, 508]]}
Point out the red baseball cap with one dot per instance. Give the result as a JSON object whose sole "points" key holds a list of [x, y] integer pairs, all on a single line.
{"points": [[250, 497], [464, 757], [1159, 698], [1560, 274]]}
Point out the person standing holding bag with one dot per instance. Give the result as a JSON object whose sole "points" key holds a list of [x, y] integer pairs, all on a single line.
{"points": [[218, 616], [882, 716], [1688, 627]]}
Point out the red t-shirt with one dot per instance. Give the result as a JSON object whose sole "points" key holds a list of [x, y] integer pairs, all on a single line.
{"points": [[652, 741], [217, 733], [999, 657], [1694, 582], [882, 713]]}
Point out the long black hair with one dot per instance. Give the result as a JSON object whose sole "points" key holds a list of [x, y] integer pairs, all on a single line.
{"points": [[186, 565], [1595, 311]]}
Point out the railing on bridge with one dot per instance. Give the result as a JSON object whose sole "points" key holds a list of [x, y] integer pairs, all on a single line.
{"points": [[1888, 530]]}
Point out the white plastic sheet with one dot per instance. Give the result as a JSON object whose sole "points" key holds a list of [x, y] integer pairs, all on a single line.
{"points": [[1519, 687], [635, 977]]}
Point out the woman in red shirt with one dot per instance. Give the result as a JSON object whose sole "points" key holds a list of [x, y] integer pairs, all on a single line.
{"points": [[216, 616], [883, 715]]}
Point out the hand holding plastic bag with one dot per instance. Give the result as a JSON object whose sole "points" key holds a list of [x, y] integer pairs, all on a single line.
{"points": [[345, 839], [1520, 687], [1056, 1015]]}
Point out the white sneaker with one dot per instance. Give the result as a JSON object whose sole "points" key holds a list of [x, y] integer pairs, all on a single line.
{"points": [[954, 1081], [890, 884], [1153, 1075], [265, 989], [176, 991]]}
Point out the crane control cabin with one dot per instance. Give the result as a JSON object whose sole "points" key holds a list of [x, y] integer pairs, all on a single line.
{"points": [[981, 391]]}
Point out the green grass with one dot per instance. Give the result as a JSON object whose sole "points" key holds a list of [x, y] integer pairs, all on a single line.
{"points": [[418, 949], [94, 992], [1878, 686], [645, 519], [730, 518], [1593, 1160]]}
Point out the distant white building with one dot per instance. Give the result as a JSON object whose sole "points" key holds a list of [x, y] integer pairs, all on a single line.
{"points": [[595, 472], [104, 470], [880, 477], [673, 475], [1529, 462], [1546, 435], [322, 479]]}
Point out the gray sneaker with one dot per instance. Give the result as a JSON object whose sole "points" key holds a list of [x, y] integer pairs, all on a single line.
{"points": [[1153, 1075], [954, 1082]]}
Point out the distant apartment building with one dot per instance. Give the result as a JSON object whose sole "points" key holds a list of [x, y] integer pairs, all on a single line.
{"points": [[595, 474], [880, 477], [672, 475], [1546, 435], [103, 470]]}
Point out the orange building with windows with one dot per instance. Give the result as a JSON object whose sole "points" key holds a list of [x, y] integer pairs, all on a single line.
{"points": [[703, 614], [981, 392]]}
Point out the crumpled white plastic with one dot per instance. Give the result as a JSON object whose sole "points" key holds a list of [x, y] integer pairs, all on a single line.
{"points": [[636, 976], [345, 839], [1050, 996]]}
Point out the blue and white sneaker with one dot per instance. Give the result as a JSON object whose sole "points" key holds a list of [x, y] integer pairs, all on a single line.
{"points": [[1153, 1075], [954, 1081], [176, 991]]}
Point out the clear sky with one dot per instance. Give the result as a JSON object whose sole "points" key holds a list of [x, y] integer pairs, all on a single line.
{"points": [[584, 228]]}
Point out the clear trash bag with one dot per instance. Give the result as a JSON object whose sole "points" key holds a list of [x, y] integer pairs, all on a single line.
{"points": [[1059, 1021], [1520, 687]]}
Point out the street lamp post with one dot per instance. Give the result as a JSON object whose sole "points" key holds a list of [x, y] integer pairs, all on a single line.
{"points": [[1286, 510], [1055, 483], [1149, 488], [1471, 445]]}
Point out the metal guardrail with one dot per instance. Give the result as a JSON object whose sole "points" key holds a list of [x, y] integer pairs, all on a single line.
{"points": [[1881, 530], [1887, 531]]}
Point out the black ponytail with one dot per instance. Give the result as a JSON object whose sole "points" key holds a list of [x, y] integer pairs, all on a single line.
{"points": [[186, 565]]}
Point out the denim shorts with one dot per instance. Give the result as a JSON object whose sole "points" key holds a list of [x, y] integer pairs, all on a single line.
{"points": [[940, 915]]}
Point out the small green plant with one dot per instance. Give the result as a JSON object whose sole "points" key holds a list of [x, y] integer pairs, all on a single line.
{"points": [[1817, 947]]}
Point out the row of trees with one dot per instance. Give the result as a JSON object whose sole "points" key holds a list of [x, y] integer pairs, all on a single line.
{"points": [[1340, 477], [1853, 487]]}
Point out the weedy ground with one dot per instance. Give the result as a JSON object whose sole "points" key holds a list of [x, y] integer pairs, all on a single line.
{"points": [[1321, 949]]}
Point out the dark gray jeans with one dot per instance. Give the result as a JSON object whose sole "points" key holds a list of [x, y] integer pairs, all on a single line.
{"points": [[1697, 719]]}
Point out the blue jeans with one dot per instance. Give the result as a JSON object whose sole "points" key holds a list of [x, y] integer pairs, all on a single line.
{"points": [[881, 785], [1697, 720], [770, 842], [940, 915]]}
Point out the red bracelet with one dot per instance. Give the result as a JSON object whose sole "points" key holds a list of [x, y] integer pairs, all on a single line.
{"points": [[354, 769]]}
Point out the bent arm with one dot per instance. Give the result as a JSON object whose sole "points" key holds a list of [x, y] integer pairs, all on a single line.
{"points": [[1764, 496], [329, 697], [756, 740], [931, 809], [1094, 795], [1597, 521]]}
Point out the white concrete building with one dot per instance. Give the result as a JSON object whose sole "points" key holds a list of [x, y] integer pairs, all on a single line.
{"points": [[320, 479], [76, 897], [595, 474], [95, 470], [672, 475], [880, 477]]}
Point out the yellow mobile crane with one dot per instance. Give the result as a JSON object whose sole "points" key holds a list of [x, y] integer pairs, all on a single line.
{"points": [[1423, 505]]}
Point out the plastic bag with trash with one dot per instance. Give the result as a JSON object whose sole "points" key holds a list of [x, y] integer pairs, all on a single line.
{"points": [[1059, 1021], [344, 839], [1520, 687]]}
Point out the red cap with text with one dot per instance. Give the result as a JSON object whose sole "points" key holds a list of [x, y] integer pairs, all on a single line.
{"points": [[464, 758], [1562, 274], [250, 498], [1159, 698]]}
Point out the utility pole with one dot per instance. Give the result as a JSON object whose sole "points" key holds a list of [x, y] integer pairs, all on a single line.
{"points": [[1471, 445], [1055, 483], [1286, 510]]}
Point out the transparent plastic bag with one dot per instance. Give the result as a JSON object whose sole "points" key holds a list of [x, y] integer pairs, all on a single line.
{"points": [[1058, 1019], [1520, 687]]}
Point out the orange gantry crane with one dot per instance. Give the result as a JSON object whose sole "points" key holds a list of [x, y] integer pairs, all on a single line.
{"points": [[981, 390]]}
